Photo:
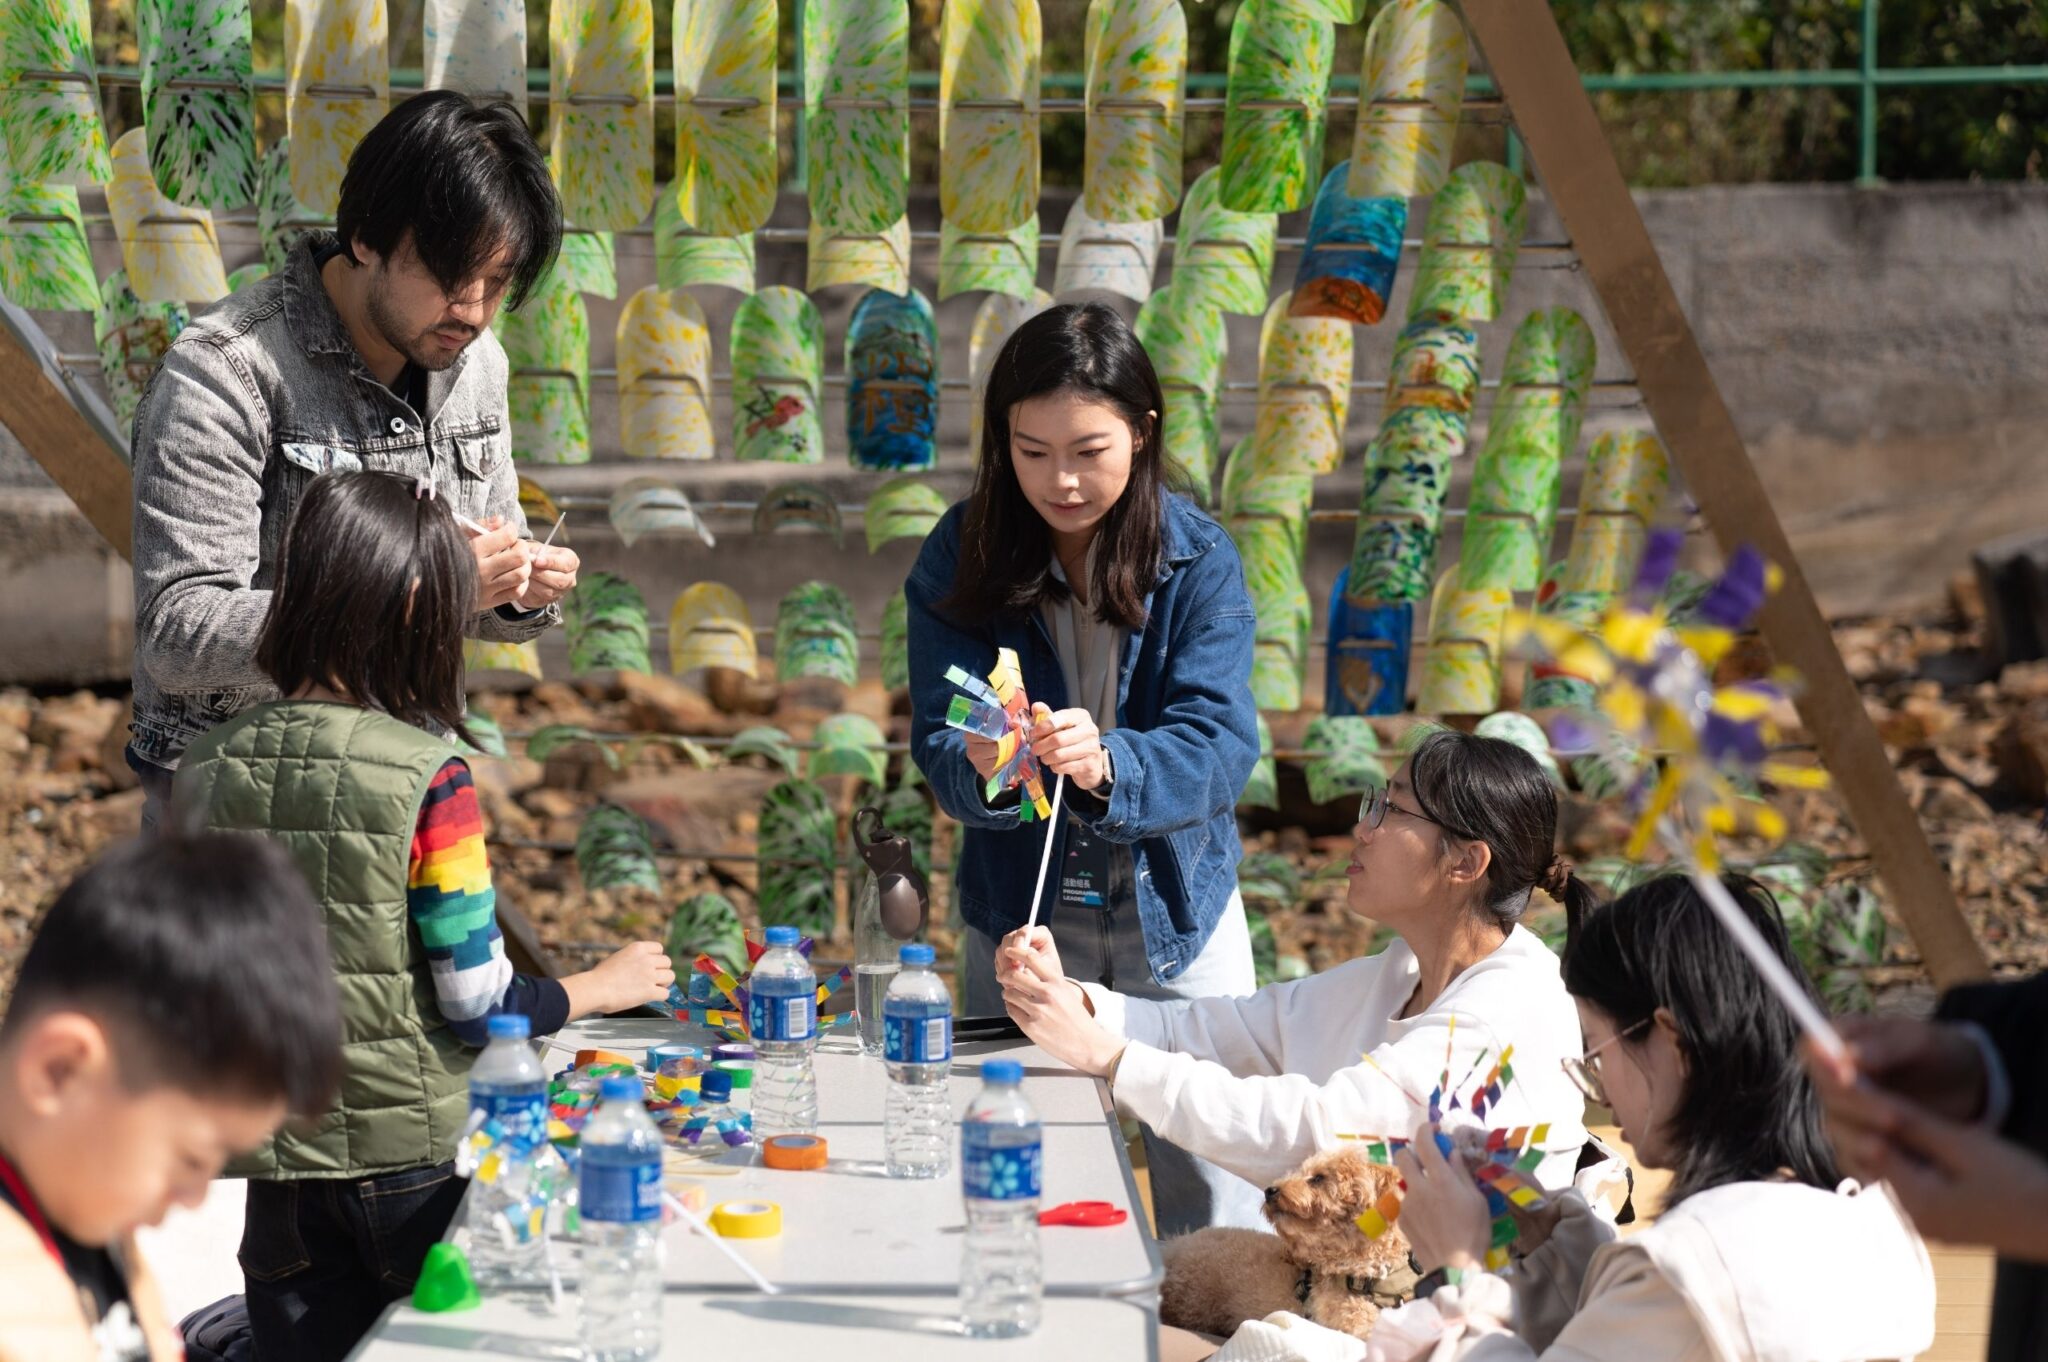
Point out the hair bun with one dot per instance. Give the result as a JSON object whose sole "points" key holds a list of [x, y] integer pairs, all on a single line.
{"points": [[1557, 878]]}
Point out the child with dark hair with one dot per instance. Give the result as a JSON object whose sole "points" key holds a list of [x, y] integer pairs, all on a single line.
{"points": [[351, 773], [176, 1004], [1761, 1251]]}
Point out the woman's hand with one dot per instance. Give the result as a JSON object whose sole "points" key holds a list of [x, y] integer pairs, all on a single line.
{"points": [[1013, 950], [1068, 744], [1442, 1213], [981, 752], [1051, 1008]]}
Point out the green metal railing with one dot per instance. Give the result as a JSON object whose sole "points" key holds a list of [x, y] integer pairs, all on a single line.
{"points": [[1867, 78]]}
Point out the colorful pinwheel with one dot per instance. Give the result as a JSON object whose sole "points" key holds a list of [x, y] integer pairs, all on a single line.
{"points": [[1654, 693]]}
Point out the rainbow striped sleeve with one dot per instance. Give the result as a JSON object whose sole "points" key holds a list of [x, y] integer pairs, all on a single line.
{"points": [[453, 905]]}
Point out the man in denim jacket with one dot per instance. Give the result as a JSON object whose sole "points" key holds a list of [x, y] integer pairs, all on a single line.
{"points": [[369, 350]]}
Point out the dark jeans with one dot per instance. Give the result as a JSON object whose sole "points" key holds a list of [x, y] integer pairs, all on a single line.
{"points": [[322, 1257], [156, 789]]}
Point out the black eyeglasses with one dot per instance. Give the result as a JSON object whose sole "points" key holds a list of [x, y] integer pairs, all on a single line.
{"points": [[1584, 1071], [1374, 804]]}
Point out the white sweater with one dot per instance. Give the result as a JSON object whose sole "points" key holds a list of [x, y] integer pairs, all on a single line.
{"points": [[1748, 1272], [1258, 1084]]}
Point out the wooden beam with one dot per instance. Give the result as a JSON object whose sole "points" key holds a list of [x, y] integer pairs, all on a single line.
{"points": [[1533, 69], [75, 455]]}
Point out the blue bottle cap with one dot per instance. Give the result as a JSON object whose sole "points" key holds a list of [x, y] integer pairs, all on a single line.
{"points": [[917, 955], [1005, 1071], [619, 1088], [509, 1024], [784, 936], [715, 1086]]}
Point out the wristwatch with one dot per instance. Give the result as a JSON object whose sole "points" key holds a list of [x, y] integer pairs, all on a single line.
{"points": [[1108, 774]]}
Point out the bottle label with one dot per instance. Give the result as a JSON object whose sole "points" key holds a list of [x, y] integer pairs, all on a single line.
{"points": [[916, 1033], [992, 1172], [523, 1116], [620, 1193], [784, 1018]]}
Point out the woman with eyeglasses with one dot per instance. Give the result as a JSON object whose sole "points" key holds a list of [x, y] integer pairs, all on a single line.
{"points": [[1762, 1250], [1448, 857]]}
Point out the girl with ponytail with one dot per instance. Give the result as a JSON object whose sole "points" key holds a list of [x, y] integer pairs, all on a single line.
{"points": [[1448, 856]]}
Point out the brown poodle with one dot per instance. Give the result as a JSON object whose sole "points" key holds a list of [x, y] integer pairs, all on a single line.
{"points": [[1319, 1265]]}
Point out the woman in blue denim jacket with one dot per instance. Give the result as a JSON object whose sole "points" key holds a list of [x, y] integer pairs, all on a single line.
{"points": [[1127, 608]]}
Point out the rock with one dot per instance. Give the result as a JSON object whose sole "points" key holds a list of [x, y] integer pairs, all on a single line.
{"points": [[2024, 681], [735, 692], [114, 751], [558, 704], [662, 704], [1966, 598], [1943, 799], [547, 802], [75, 729], [2020, 751]]}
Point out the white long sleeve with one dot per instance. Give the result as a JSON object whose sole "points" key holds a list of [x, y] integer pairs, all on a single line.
{"points": [[1257, 1085]]}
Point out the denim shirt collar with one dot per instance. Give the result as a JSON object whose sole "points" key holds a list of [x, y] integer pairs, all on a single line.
{"points": [[318, 328], [1187, 534]]}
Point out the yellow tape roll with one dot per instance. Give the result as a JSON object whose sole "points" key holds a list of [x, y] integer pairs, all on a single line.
{"points": [[747, 1219]]}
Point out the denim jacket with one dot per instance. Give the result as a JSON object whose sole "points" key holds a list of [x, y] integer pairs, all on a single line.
{"points": [[1184, 744], [253, 401]]}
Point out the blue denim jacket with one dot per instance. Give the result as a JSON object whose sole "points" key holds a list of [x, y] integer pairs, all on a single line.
{"points": [[1185, 741]]}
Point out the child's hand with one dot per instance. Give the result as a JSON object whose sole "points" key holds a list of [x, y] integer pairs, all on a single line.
{"points": [[635, 974], [503, 564]]}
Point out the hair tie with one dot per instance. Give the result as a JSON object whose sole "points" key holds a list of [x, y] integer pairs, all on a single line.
{"points": [[1557, 879]]}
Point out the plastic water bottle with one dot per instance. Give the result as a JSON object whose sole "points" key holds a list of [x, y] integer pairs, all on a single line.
{"points": [[1002, 1275], [783, 1016], [874, 966], [508, 1085], [917, 1118], [619, 1198]]}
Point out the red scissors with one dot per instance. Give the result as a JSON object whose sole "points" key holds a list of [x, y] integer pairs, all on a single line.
{"points": [[1088, 1215]]}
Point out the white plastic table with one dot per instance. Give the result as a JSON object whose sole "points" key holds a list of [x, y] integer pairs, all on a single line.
{"points": [[849, 1228], [843, 1326]]}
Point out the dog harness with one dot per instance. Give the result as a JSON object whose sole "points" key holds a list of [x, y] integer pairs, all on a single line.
{"points": [[1395, 1288]]}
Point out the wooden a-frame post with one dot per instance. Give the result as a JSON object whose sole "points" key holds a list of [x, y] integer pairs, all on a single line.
{"points": [[1533, 69]]}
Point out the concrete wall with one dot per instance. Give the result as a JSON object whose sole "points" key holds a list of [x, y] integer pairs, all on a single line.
{"points": [[1879, 348]]}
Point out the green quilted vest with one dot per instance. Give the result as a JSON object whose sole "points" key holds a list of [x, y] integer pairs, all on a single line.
{"points": [[340, 787]]}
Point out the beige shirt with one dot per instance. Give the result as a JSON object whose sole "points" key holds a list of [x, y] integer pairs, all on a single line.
{"points": [[1089, 650]]}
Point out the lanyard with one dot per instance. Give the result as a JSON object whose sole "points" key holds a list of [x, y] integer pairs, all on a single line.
{"points": [[30, 1211]]}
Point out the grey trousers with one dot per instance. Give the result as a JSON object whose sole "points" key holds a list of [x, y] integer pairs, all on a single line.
{"points": [[1108, 947]]}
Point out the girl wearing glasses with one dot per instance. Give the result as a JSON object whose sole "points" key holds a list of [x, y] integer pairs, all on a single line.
{"points": [[1761, 1251], [1447, 856]]}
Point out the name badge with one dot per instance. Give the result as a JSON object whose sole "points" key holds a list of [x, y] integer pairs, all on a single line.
{"points": [[1084, 870], [319, 459]]}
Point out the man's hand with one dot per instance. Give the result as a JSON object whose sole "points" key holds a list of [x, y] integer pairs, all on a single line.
{"points": [[554, 576], [504, 567]]}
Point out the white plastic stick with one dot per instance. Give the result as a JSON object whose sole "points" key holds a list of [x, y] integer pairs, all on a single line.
{"points": [[1052, 823], [1810, 1018], [551, 533], [675, 1203]]}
